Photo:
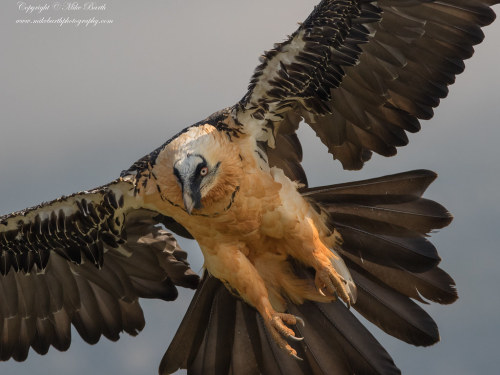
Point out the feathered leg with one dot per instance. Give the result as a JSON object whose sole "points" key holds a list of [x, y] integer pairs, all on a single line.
{"points": [[229, 263], [307, 246]]}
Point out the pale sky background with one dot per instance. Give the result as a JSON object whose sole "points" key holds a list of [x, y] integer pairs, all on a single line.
{"points": [[79, 104]]}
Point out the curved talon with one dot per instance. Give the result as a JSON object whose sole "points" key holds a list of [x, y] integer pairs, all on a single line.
{"points": [[280, 332], [295, 338], [300, 320], [329, 281], [296, 357]]}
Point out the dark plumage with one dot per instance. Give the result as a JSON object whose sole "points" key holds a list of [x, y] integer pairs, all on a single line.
{"points": [[361, 74]]}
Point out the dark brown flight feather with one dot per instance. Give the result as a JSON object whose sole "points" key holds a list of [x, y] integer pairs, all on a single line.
{"points": [[41, 301], [362, 74]]}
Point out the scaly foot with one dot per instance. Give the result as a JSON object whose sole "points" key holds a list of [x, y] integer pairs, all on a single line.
{"points": [[277, 326]]}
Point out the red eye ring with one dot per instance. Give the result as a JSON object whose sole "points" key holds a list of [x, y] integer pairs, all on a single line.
{"points": [[203, 171]]}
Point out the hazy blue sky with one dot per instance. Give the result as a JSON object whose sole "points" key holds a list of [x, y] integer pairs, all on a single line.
{"points": [[79, 104]]}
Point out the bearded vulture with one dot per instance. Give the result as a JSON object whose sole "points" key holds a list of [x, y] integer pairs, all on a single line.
{"points": [[284, 262]]}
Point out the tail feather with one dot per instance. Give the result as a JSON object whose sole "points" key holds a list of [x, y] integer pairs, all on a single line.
{"points": [[244, 342], [393, 312], [212, 358], [234, 341], [410, 252], [385, 220], [384, 223], [267, 353], [434, 285], [420, 215], [338, 331], [191, 331], [402, 185]]}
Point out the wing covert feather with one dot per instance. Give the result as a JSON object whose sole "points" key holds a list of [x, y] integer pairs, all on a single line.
{"points": [[362, 73], [100, 255]]}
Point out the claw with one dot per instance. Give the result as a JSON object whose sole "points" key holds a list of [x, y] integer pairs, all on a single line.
{"points": [[334, 284], [295, 338], [300, 320], [278, 327]]}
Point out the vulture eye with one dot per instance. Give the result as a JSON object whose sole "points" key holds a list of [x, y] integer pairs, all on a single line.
{"points": [[203, 171]]}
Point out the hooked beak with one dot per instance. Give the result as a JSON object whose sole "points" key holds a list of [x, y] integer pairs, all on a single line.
{"points": [[192, 199], [188, 176]]}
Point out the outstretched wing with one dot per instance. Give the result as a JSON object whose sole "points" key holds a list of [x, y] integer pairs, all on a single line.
{"points": [[84, 260], [362, 73]]}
